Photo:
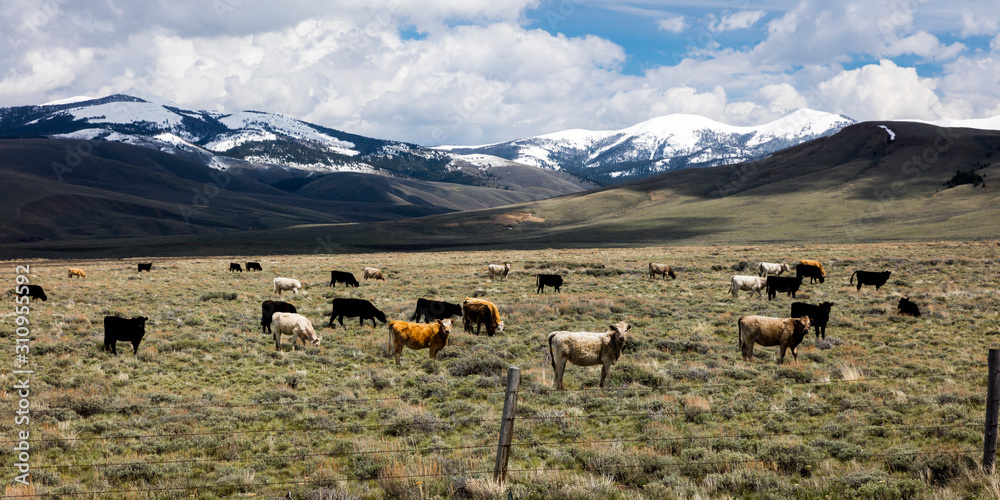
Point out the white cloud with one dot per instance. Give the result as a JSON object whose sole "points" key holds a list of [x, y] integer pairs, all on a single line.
{"points": [[880, 92], [978, 23], [672, 24], [735, 21]]}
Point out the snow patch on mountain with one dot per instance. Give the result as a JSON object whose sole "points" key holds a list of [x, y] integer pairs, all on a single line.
{"points": [[68, 100]]}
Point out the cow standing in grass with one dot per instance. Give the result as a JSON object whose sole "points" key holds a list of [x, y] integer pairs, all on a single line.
{"points": [[812, 272], [871, 278], [343, 277], [254, 266], [77, 273], [784, 332], [766, 268], [282, 284], [373, 273], [433, 336], [481, 312], [785, 284], [267, 310], [586, 349], [435, 309], [753, 283], [296, 325], [123, 330], [144, 266], [235, 267], [355, 308], [32, 291], [553, 280], [498, 271], [661, 269], [819, 315], [908, 308]]}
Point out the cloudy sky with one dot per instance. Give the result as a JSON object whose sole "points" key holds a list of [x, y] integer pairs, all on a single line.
{"points": [[479, 71]]}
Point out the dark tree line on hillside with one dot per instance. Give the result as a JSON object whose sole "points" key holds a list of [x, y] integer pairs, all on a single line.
{"points": [[960, 177]]}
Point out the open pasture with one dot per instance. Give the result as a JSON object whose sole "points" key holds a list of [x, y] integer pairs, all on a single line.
{"points": [[887, 407]]}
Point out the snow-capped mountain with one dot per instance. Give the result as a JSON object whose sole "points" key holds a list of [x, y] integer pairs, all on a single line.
{"points": [[665, 143], [221, 140]]}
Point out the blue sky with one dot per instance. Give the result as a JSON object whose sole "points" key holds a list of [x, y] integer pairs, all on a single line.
{"points": [[480, 71]]}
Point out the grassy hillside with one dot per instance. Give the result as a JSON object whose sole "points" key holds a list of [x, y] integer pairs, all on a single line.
{"points": [[885, 407]]}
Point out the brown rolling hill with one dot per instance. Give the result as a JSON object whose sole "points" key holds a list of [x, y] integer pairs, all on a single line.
{"points": [[854, 186]]}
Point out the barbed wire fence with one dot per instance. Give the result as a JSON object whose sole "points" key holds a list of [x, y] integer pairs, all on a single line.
{"points": [[440, 462]]}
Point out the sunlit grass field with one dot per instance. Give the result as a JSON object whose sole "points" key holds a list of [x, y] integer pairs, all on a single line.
{"points": [[886, 407]]}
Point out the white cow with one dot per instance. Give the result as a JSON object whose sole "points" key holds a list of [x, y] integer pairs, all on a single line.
{"points": [[281, 284], [766, 268], [587, 349], [752, 283], [296, 325], [498, 270], [373, 273]]}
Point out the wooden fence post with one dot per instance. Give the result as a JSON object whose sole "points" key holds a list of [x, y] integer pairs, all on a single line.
{"points": [[507, 424], [992, 407]]}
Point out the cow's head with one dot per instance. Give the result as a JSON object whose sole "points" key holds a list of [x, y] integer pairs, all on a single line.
{"points": [[784, 267], [445, 327], [801, 326], [670, 272], [619, 333], [379, 315], [315, 340]]}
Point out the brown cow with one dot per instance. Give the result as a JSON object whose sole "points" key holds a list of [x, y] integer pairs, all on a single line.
{"points": [[784, 332], [433, 336], [814, 263], [77, 273], [661, 269], [481, 312]]}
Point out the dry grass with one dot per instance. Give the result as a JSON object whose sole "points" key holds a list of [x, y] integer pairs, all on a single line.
{"points": [[683, 415]]}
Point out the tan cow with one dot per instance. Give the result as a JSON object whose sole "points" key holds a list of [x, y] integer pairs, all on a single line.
{"points": [[433, 336], [77, 273], [481, 312], [497, 270], [587, 349], [373, 273], [296, 325], [661, 269], [766, 331]]}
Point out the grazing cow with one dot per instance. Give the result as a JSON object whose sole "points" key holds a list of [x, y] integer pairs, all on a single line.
{"points": [[123, 330], [553, 280], [481, 312], [786, 284], [355, 308], [32, 291], [145, 266], [784, 332], [752, 283], [74, 272], [433, 336], [282, 284], [435, 309], [766, 268], [497, 270], [254, 266], [908, 308], [819, 315], [661, 269], [814, 263], [373, 273], [343, 277], [587, 349], [268, 308], [871, 278], [809, 271], [235, 266], [296, 325]]}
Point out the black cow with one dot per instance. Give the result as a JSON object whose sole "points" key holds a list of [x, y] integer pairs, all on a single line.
{"points": [[268, 308], [553, 280], [908, 308], [819, 315], [785, 284], [435, 309], [871, 278], [807, 271], [123, 330], [255, 266], [36, 292], [355, 308], [145, 266], [233, 267], [343, 277]]}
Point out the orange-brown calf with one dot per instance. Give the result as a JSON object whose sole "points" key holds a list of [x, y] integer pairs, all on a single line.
{"points": [[433, 336]]}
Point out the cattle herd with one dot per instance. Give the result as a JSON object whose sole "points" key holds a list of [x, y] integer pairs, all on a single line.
{"points": [[580, 348]]}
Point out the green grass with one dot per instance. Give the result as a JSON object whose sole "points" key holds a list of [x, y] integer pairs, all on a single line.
{"points": [[887, 407]]}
